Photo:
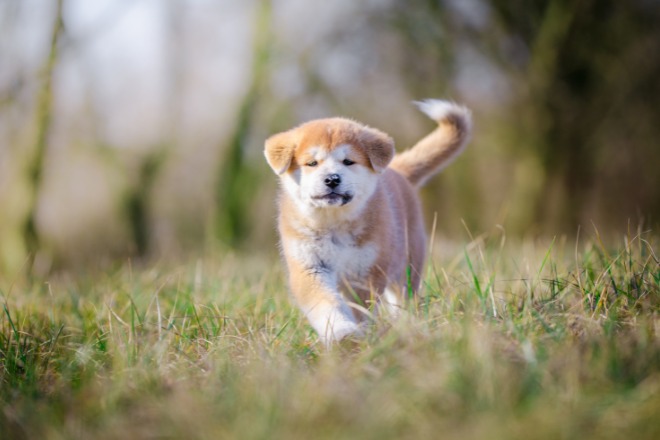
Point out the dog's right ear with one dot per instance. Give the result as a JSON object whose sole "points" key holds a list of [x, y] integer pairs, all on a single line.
{"points": [[279, 151]]}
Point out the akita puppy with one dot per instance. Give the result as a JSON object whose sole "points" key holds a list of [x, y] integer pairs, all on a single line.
{"points": [[350, 219]]}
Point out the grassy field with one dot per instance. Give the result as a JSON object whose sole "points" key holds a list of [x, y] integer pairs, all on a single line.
{"points": [[533, 339]]}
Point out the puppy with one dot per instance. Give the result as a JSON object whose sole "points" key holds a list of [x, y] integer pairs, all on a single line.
{"points": [[350, 219]]}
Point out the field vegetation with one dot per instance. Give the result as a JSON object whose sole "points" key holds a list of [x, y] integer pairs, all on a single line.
{"points": [[140, 291], [535, 339]]}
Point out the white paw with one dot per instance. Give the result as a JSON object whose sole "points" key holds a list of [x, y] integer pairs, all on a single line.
{"points": [[391, 303], [333, 323]]}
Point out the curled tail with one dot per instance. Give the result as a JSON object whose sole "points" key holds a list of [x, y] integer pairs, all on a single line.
{"points": [[438, 148]]}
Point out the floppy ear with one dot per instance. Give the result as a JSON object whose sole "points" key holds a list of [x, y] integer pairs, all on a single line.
{"points": [[379, 148], [279, 151]]}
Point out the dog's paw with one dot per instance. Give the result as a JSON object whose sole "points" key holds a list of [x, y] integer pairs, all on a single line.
{"points": [[339, 331]]}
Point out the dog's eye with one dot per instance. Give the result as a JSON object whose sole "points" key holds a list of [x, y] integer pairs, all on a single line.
{"points": [[348, 162], [312, 163]]}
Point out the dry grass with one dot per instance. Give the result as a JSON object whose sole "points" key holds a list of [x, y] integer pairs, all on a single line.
{"points": [[507, 341]]}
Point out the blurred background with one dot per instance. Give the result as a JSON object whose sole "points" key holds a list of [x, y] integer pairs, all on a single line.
{"points": [[135, 128]]}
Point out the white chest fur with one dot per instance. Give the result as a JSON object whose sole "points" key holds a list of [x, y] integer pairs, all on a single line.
{"points": [[335, 254]]}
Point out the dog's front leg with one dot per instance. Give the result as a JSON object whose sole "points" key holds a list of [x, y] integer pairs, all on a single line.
{"points": [[322, 303]]}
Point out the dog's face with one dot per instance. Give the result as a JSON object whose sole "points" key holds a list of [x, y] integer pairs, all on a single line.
{"points": [[329, 163]]}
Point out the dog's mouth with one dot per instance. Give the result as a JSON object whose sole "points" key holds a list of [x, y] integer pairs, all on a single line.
{"points": [[334, 198]]}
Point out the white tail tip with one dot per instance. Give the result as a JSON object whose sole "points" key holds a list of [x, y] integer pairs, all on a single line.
{"points": [[438, 109]]}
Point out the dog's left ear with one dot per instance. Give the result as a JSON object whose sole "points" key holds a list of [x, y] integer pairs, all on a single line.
{"points": [[279, 151], [379, 148]]}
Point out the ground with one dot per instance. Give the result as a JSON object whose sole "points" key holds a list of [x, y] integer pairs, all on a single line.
{"points": [[508, 339]]}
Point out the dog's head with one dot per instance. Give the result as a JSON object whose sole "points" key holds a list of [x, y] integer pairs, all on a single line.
{"points": [[329, 163]]}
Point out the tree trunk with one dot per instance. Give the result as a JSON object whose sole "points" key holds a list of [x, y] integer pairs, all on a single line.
{"points": [[236, 182], [44, 115]]}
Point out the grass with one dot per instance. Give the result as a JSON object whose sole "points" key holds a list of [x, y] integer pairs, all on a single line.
{"points": [[508, 340]]}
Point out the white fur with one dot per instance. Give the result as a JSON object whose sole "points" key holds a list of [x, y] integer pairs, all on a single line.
{"points": [[337, 251], [438, 109], [332, 322], [345, 261], [356, 180], [336, 248], [391, 302]]}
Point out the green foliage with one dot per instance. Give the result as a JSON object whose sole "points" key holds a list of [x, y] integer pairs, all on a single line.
{"points": [[565, 98], [505, 341], [582, 77], [237, 181]]}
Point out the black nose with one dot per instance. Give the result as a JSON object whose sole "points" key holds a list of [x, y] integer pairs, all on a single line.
{"points": [[333, 180]]}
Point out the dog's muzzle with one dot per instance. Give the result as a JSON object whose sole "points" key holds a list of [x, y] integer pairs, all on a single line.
{"points": [[334, 198]]}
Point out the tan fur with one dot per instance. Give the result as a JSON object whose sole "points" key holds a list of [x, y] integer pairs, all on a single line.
{"points": [[351, 242], [436, 150]]}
